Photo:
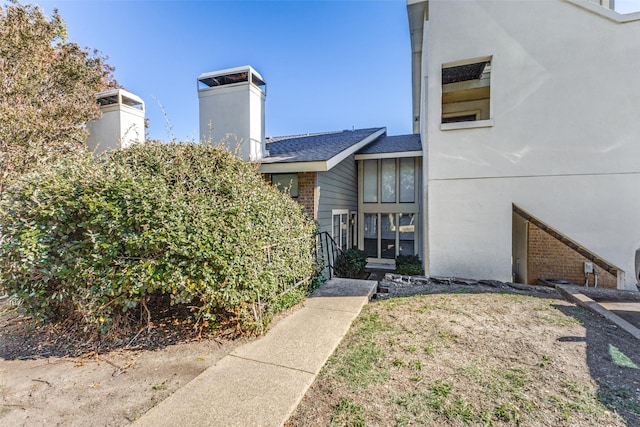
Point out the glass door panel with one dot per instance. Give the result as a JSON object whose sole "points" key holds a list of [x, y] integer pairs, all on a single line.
{"points": [[371, 235], [388, 225]]}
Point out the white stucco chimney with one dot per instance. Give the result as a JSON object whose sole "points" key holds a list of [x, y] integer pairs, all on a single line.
{"points": [[121, 123], [232, 110]]}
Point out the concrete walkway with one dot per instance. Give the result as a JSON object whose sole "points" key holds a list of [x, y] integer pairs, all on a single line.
{"points": [[262, 382], [614, 311]]}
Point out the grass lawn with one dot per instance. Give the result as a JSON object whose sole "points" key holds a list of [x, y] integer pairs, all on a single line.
{"points": [[465, 358]]}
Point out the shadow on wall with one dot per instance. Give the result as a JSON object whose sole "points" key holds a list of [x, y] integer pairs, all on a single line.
{"points": [[613, 358]]}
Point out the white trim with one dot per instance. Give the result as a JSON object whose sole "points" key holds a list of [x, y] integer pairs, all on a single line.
{"points": [[291, 167], [467, 125], [339, 213], [389, 155], [488, 58], [335, 160]]}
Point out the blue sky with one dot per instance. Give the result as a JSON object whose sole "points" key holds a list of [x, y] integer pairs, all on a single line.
{"points": [[329, 65], [627, 6]]}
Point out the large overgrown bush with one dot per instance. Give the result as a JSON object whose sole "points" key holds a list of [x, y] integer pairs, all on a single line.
{"points": [[96, 239]]}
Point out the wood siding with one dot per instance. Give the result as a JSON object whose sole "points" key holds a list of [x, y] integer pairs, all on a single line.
{"points": [[338, 189]]}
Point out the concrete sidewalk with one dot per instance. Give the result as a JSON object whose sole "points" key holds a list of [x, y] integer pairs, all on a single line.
{"points": [[262, 382], [614, 311]]}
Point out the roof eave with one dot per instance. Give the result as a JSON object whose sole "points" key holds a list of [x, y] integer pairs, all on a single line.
{"points": [[418, 13], [290, 167]]}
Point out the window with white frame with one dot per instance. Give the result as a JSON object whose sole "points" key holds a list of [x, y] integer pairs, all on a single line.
{"points": [[340, 227]]}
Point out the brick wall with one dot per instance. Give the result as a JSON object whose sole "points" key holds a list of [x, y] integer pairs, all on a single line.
{"points": [[307, 193], [549, 258]]}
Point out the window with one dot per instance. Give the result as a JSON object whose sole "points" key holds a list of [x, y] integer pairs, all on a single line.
{"points": [[407, 180], [389, 207], [395, 236], [286, 181], [397, 178], [388, 228], [371, 235], [340, 228], [406, 234], [370, 181], [466, 91], [388, 179]]}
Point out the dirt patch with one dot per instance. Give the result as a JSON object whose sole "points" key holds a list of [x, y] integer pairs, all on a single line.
{"points": [[51, 377], [462, 354]]}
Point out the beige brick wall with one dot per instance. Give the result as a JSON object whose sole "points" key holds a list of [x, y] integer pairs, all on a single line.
{"points": [[307, 193], [549, 258]]}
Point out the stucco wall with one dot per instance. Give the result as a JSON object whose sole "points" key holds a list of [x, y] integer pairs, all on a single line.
{"points": [[564, 140], [119, 126], [233, 115]]}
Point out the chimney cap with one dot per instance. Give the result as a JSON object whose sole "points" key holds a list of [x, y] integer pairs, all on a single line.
{"points": [[231, 75], [119, 96]]}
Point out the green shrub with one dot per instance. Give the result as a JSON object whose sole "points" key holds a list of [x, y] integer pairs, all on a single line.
{"points": [[95, 239], [409, 265], [350, 263]]}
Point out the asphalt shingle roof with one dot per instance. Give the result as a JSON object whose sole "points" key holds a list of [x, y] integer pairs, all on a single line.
{"points": [[393, 144], [313, 147]]}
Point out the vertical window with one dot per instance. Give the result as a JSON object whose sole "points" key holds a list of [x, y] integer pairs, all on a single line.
{"points": [[340, 225], [407, 233], [407, 180], [370, 181], [390, 211], [466, 92], [388, 180], [344, 230], [286, 181], [353, 229], [388, 225], [371, 235]]}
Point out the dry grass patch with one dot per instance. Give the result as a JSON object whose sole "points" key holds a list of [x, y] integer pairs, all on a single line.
{"points": [[477, 359]]}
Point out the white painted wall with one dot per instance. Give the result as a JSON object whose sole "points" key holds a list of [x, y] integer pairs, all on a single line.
{"points": [[119, 125], [563, 143], [233, 115]]}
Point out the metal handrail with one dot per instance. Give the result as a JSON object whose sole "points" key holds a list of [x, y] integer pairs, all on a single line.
{"points": [[327, 252]]}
